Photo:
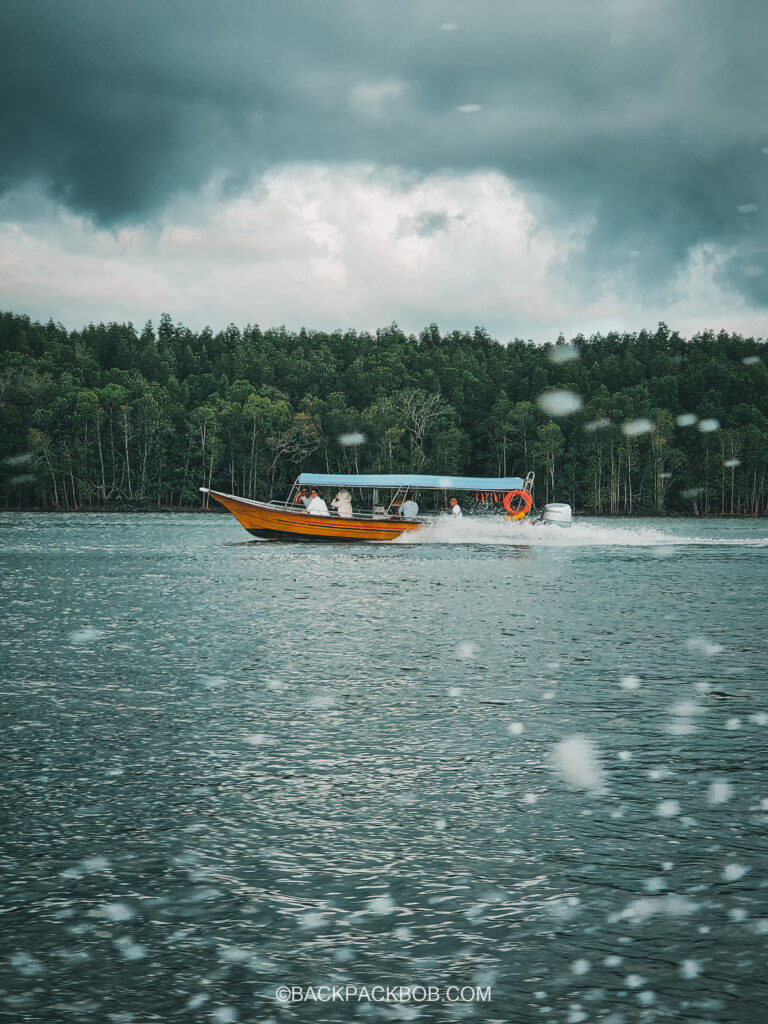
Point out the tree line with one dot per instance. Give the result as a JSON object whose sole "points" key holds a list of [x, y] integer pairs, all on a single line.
{"points": [[109, 417]]}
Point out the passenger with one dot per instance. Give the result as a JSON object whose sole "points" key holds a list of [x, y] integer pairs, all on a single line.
{"points": [[409, 509], [303, 496], [455, 508], [317, 506], [343, 504]]}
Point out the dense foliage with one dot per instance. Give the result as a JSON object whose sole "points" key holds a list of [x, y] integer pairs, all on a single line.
{"points": [[109, 417]]}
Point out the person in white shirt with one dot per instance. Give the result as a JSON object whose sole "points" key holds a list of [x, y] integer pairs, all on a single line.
{"points": [[343, 504], [455, 508], [317, 506]]}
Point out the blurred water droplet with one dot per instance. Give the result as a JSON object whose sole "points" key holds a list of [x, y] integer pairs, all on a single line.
{"points": [[577, 762], [734, 872], [751, 360], [130, 950], [117, 911], [515, 728], [719, 792], [259, 739], [18, 460], [707, 426], [686, 419], [224, 1015], [748, 208], [641, 910], [563, 354], [559, 403], [581, 966], [690, 968], [654, 884], [312, 920], [27, 965], [95, 864], [701, 645], [633, 428], [732, 463], [600, 424], [351, 440], [380, 905], [466, 650], [668, 809], [630, 682], [85, 636]]}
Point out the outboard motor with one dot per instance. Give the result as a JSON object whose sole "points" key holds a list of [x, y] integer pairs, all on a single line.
{"points": [[557, 514]]}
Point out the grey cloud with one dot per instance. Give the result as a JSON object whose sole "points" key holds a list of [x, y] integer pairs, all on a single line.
{"points": [[644, 114], [431, 223]]}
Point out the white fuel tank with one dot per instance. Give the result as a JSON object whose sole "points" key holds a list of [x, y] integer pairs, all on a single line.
{"points": [[557, 514]]}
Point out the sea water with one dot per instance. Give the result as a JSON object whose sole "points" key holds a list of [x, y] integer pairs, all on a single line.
{"points": [[486, 772]]}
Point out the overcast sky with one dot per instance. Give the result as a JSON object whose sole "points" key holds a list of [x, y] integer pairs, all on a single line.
{"points": [[532, 167]]}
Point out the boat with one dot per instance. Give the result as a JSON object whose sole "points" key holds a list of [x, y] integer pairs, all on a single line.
{"points": [[391, 509]]}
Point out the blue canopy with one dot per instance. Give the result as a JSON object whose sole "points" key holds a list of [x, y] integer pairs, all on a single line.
{"points": [[415, 480]]}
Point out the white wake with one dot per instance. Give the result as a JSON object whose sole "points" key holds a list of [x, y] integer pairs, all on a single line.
{"points": [[493, 530]]}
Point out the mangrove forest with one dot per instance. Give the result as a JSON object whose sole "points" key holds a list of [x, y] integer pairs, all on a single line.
{"points": [[111, 417]]}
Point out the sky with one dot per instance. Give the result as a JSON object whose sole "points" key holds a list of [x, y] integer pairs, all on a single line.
{"points": [[529, 167]]}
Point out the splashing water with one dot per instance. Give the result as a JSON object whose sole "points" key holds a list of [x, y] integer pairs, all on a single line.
{"points": [[595, 533]]}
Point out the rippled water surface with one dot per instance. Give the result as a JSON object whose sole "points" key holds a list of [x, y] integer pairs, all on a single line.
{"points": [[499, 757]]}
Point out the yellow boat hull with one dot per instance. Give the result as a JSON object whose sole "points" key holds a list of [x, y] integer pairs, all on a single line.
{"points": [[262, 520]]}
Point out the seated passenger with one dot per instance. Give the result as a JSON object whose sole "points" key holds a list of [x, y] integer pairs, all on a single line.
{"points": [[343, 504], [303, 496], [409, 509], [317, 506]]}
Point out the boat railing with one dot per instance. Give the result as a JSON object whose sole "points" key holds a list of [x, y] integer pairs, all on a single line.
{"points": [[291, 506]]}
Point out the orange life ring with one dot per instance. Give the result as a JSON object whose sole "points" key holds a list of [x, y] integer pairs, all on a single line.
{"points": [[518, 503]]}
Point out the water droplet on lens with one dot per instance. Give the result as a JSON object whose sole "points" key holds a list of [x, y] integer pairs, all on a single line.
{"points": [[600, 424], [707, 426], [633, 428], [686, 419], [559, 403], [668, 809], [734, 872]]}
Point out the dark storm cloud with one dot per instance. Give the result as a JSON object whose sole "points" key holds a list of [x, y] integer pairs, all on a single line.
{"points": [[647, 115]]}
